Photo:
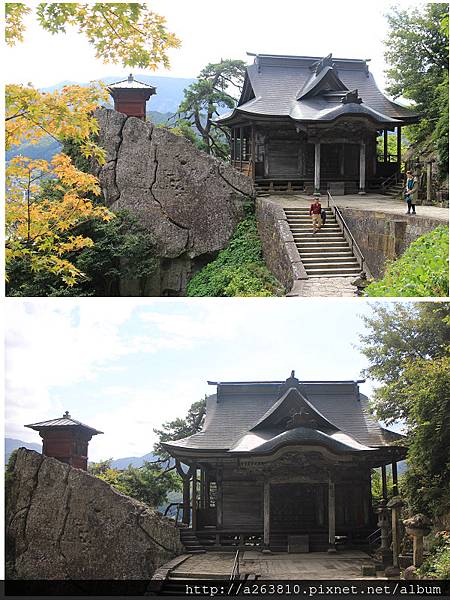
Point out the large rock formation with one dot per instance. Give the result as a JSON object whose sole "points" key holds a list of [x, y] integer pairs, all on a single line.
{"points": [[62, 523], [189, 202]]}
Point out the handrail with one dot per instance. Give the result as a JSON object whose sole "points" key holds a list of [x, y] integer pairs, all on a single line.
{"points": [[374, 533], [394, 178], [340, 218], [179, 505], [235, 570]]}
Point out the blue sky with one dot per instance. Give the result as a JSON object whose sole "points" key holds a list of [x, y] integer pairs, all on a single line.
{"points": [[125, 366]]}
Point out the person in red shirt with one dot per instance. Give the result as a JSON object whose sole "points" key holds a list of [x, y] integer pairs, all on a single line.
{"points": [[314, 212]]}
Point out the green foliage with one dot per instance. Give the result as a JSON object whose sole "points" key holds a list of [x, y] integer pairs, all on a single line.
{"points": [[408, 348], [377, 485], [122, 250], [239, 270], [437, 563], [181, 428], [202, 100], [421, 271], [417, 54], [149, 484]]}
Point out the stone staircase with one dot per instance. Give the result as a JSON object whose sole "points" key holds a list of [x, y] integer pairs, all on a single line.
{"points": [[395, 190], [191, 542], [325, 253]]}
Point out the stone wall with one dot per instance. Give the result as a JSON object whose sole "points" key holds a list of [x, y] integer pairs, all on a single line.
{"points": [[62, 523], [189, 202], [385, 236], [279, 249]]}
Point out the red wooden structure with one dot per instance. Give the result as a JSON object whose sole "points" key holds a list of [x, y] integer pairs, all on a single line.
{"points": [[66, 439], [130, 96]]}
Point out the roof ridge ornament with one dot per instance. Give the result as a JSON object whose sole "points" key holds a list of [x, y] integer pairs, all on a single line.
{"points": [[326, 61], [352, 98], [66, 415]]}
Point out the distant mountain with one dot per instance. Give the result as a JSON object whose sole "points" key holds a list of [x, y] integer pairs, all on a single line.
{"points": [[169, 90], [11, 444], [134, 461], [47, 147]]}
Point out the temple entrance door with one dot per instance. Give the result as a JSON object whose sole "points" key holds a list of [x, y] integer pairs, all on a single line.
{"points": [[296, 507]]}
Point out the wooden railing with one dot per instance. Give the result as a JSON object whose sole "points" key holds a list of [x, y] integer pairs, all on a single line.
{"points": [[346, 231]]}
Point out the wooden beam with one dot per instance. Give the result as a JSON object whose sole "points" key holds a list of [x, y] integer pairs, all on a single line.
{"points": [[266, 514], [186, 500], [253, 149], [384, 482], [394, 478], [399, 148], [362, 168], [331, 516], [317, 169], [194, 497]]}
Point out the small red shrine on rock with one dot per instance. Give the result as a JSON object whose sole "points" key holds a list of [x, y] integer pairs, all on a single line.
{"points": [[130, 96], [66, 439]]}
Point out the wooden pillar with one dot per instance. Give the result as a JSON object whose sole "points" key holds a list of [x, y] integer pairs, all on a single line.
{"points": [[385, 146], [266, 514], [362, 168], [241, 145], [331, 516], [342, 162], [252, 150], [429, 181], [394, 479], [384, 482], [187, 500], [399, 149], [219, 498], [232, 146], [194, 497], [317, 169]]}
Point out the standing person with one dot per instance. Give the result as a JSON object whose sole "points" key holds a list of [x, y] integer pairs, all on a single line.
{"points": [[314, 212], [411, 192]]}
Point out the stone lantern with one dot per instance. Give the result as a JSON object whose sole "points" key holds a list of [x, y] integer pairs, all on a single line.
{"points": [[417, 527], [395, 504], [384, 553]]}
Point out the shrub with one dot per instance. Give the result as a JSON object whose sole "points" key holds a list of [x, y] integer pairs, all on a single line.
{"points": [[239, 270], [437, 564], [421, 271]]}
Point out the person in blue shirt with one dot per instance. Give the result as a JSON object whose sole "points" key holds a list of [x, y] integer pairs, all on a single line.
{"points": [[411, 192]]}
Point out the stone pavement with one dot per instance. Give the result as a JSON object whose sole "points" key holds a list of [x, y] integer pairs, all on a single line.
{"points": [[324, 286], [345, 564], [372, 202]]}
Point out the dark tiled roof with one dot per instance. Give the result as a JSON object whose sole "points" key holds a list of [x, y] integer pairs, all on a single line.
{"points": [[236, 409], [288, 86], [65, 421]]}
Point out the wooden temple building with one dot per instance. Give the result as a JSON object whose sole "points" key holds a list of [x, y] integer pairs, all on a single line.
{"points": [[313, 122], [130, 96], [66, 439], [283, 463]]}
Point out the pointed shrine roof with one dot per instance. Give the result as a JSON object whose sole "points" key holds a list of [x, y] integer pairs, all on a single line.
{"points": [[131, 84], [65, 421]]}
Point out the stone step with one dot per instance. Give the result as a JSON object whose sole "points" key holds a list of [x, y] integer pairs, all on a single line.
{"points": [[308, 227], [313, 245], [321, 235], [331, 252], [337, 271], [328, 260]]}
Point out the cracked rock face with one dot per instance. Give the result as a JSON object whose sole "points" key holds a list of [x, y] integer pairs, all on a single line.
{"points": [[63, 523], [189, 202]]}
